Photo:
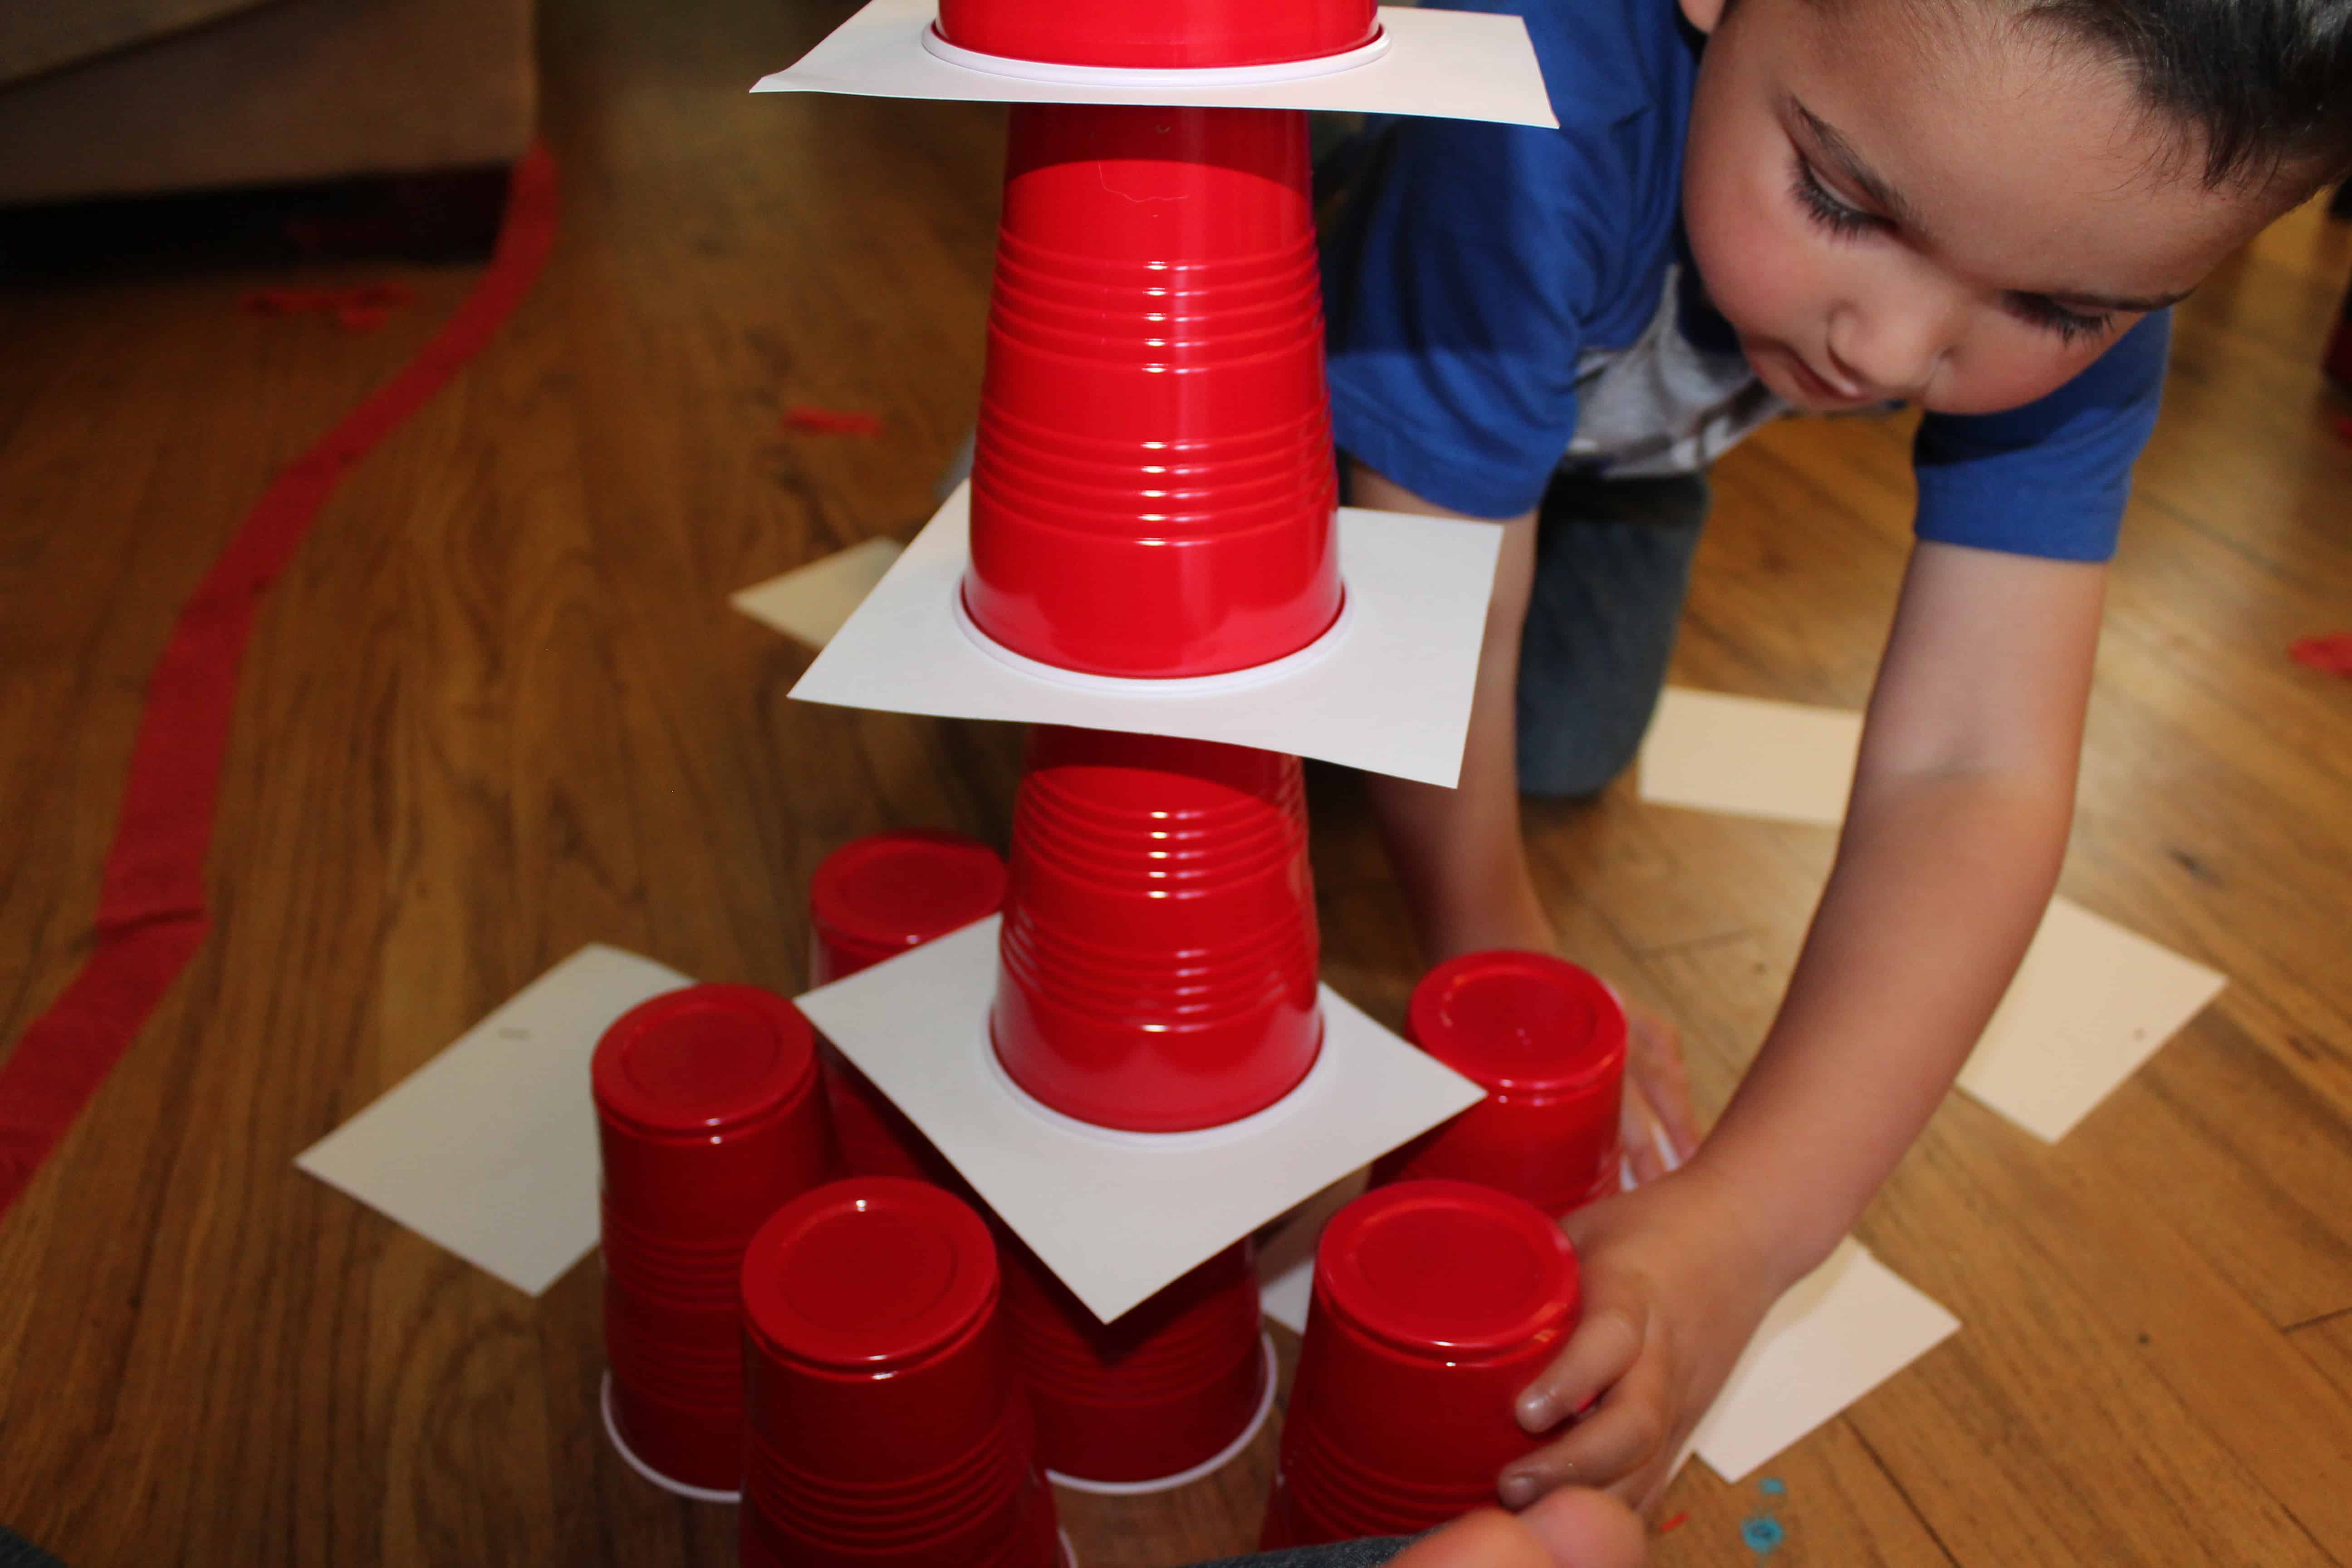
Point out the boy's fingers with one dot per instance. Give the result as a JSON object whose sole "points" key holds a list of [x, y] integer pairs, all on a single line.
{"points": [[1604, 1447], [1645, 1151], [1655, 1059], [1603, 1346]]}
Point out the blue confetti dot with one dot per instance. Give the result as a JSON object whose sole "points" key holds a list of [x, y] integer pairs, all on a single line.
{"points": [[1763, 1535], [1772, 1486]]}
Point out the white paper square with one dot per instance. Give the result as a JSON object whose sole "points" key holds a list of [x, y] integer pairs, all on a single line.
{"points": [[1748, 757], [1286, 1259], [2090, 1004], [810, 602], [1392, 695], [489, 1149], [1119, 1216], [1456, 65], [1838, 1332]]}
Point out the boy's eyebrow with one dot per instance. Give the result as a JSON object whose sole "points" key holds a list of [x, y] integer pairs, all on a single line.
{"points": [[1850, 164]]}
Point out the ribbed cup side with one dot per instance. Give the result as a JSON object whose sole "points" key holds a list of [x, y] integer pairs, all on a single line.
{"points": [[1153, 489]]}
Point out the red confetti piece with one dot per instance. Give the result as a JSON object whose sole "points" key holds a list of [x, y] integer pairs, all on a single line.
{"points": [[832, 421], [358, 310], [2329, 655], [1675, 1524]]}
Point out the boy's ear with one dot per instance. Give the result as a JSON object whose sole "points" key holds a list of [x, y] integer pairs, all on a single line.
{"points": [[1704, 13]]}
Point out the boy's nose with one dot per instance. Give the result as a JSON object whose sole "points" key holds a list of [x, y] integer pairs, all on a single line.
{"points": [[1890, 351]]}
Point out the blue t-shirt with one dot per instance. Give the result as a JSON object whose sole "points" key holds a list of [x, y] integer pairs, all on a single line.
{"points": [[1488, 267]]}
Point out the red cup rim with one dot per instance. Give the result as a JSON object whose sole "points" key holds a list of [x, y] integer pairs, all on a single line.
{"points": [[1524, 1021], [703, 1059], [1431, 1266], [904, 888], [868, 1274]]}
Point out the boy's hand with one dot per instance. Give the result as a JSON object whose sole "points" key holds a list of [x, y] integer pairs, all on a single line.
{"points": [[1659, 1127], [1673, 1292]]}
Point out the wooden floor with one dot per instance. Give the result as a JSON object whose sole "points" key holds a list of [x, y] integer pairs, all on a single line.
{"points": [[498, 708]]}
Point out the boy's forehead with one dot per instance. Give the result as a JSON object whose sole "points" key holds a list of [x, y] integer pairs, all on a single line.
{"points": [[2024, 155]]}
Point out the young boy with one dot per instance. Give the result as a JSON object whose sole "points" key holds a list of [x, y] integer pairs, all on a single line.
{"points": [[1983, 206]]}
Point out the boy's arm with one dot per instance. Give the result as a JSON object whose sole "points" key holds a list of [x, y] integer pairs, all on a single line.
{"points": [[1952, 843]]}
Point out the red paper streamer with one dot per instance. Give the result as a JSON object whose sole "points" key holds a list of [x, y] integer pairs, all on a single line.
{"points": [[1675, 1524], [832, 421], [2329, 655], [151, 914]]}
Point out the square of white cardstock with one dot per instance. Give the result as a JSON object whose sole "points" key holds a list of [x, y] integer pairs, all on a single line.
{"points": [[1390, 693], [2090, 1003], [1452, 65], [1747, 756], [1119, 1215], [489, 1149], [810, 602], [1840, 1332]]}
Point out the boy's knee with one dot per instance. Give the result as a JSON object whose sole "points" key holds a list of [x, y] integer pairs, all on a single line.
{"points": [[1576, 762]]}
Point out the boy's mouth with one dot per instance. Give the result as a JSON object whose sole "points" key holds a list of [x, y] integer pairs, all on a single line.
{"points": [[1790, 374]]}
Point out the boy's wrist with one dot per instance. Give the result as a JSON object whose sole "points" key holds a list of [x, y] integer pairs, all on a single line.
{"points": [[1782, 1235]]}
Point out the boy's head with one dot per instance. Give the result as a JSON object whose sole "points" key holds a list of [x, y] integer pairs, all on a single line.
{"points": [[1961, 203]]}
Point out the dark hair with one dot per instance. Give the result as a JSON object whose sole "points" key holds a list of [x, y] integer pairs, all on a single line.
{"points": [[2266, 83]]}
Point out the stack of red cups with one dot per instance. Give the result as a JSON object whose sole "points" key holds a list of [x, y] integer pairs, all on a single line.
{"points": [[885, 1427], [1547, 1041], [1162, 1393], [1435, 1303], [708, 1118], [1160, 943], [874, 898]]}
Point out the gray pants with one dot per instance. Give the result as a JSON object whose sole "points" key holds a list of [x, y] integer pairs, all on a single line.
{"points": [[1612, 566], [1343, 1555]]}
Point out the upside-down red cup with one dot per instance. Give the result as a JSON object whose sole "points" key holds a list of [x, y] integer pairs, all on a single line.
{"points": [[1153, 489], [708, 1117], [880, 896], [874, 898], [1435, 1303], [1159, 1392], [1165, 34], [1546, 1040], [1159, 952], [884, 1423]]}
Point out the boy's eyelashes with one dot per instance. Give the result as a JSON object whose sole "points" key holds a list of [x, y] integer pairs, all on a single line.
{"points": [[2069, 325], [1823, 209], [1848, 222]]}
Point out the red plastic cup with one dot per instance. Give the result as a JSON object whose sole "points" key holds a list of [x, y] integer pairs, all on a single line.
{"points": [[1435, 1303], [874, 898], [1164, 34], [1546, 1040], [1153, 489], [1161, 1391], [880, 896], [884, 1422], [708, 1118], [1159, 943]]}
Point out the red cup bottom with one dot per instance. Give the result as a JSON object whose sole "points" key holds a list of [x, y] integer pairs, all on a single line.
{"points": [[689, 1448]]}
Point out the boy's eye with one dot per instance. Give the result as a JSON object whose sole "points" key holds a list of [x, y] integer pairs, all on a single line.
{"points": [[1845, 222], [2050, 316]]}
